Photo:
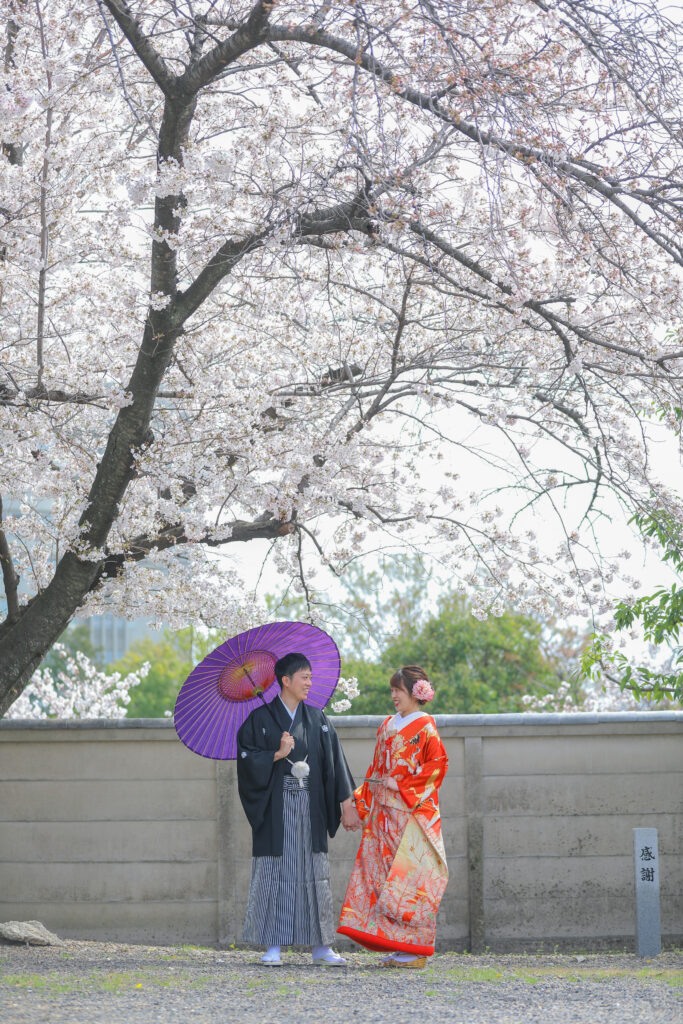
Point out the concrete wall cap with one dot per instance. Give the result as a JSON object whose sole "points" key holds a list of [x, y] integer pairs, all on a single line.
{"points": [[374, 721]]}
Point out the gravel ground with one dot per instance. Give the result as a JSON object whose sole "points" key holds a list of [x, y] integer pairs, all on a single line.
{"points": [[110, 983]]}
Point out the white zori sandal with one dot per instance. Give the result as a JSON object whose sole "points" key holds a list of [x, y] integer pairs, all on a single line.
{"points": [[329, 959]]}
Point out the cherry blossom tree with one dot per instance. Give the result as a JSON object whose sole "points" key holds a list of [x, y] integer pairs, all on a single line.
{"points": [[595, 697], [76, 688], [260, 262]]}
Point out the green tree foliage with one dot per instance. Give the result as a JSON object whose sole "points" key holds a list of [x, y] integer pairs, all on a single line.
{"points": [[373, 682], [171, 660], [385, 619], [659, 614], [476, 667]]}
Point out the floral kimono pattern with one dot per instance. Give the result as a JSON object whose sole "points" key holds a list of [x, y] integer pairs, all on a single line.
{"points": [[400, 872]]}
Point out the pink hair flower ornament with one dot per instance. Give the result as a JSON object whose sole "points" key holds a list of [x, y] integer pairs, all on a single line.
{"points": [[423, 690]]}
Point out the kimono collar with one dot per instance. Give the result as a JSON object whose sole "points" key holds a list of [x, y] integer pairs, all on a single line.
{"points": [[399, 722], [292, 714]]}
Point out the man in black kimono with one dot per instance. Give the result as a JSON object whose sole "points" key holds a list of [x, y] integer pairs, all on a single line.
{"points": [[295, 787]]}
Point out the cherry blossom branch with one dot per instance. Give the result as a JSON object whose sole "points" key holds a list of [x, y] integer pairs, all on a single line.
{"points": [[114, 50], [12, 150], [341, 217], [576, 17], [302, 575], [30, 397], [592, 176], [475, 267], [266, 527], [44, 232], [219, 266], [12, 32], [538, 306]]}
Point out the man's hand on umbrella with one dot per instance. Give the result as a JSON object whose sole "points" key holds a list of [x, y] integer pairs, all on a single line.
{"points": [[286, 747], [350, 817]]}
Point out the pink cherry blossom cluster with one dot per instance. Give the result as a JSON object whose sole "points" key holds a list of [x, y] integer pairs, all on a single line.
{"points": [[423, 690]]}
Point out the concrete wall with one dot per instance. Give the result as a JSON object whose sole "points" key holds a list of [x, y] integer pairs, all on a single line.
{"points": [[114, 830]]}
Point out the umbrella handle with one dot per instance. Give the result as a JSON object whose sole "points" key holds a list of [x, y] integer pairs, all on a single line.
{"points": [[259, 694], [268, 708]]}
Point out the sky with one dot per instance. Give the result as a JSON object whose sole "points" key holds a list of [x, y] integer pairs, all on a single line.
{"points": [[615, 535]]}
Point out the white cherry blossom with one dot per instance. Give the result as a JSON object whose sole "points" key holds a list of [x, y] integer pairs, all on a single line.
{"points": [[76, 689], [315, 274]]}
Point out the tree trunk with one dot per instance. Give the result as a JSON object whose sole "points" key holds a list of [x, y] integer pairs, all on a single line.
{"points": [[25, 641]]}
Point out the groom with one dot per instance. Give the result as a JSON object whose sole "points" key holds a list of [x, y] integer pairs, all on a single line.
{"points": [[295, 787]]}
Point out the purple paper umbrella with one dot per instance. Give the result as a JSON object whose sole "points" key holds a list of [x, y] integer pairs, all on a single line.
{"points": [[221, 692]]}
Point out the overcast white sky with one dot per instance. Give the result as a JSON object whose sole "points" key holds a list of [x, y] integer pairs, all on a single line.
{"points": [[613, 536]]}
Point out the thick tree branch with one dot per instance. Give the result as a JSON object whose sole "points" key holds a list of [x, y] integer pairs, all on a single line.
{"points": [[14, 398], [222, 263], [349, 216], [131, 430], [264, 528], [250, 34], [152, 60]]}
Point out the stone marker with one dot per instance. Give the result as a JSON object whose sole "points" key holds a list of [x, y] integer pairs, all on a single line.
{"points": [[31, 932], [646, 862]]}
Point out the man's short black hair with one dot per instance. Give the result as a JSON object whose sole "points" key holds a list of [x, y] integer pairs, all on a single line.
{"points": [[289, 664]]}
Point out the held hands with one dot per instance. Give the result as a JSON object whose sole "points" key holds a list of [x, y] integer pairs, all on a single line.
{"points": [[391, 783], [286, 747], [350, 818]]}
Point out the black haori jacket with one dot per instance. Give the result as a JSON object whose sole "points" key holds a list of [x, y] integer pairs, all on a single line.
{"points": [[259, 778]]}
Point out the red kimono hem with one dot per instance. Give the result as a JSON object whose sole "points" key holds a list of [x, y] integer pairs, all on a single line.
{"points": [[383, 945]]}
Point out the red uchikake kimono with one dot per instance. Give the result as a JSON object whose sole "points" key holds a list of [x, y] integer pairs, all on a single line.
{"points": [[400, 872]]}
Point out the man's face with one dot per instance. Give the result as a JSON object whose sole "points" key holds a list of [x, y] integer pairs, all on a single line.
{"points": [[298, 685]]}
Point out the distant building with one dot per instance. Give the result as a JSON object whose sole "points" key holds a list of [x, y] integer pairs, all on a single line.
{"points": [[112, 637]]}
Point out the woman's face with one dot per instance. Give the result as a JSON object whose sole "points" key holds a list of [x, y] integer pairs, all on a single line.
{"points": [[403, 702]]}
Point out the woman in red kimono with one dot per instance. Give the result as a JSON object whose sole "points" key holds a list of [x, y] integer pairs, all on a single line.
{"points": [[400, 872]]}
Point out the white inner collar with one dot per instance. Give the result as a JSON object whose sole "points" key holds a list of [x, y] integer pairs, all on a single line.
{"points": [[291, 714], [399, 722]]}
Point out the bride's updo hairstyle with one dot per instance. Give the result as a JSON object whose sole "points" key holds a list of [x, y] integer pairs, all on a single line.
{"points": [[413, 679]]}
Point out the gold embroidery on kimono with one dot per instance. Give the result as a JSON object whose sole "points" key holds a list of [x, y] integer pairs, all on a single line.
{"points": [[400, 872]]}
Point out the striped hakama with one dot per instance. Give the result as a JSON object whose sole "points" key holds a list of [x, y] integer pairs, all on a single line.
{"points": [[290, 897]]}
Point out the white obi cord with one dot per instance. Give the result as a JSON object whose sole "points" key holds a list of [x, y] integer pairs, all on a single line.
{"points": [[300, 770]]}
